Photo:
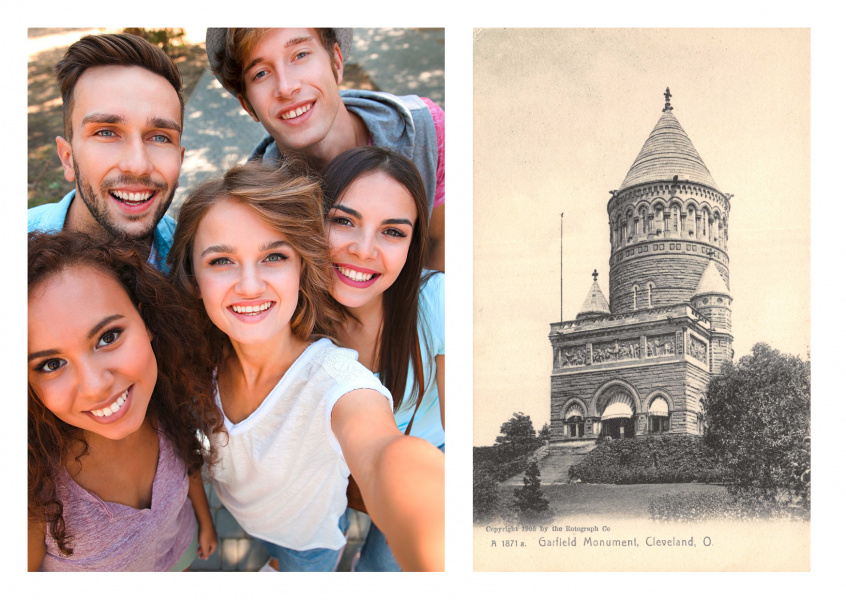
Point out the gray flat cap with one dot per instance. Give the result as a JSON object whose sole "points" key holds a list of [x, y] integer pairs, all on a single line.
{"points": [[215, 38]]}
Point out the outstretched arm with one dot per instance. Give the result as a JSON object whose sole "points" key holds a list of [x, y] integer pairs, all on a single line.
{"points": [[207, 534], [401, 479]]}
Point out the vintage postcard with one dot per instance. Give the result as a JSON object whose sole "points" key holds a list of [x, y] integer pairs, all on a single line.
{"points": [[642, 300]]}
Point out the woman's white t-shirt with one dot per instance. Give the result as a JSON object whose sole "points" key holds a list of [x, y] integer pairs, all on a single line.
{"points": [[282, 473]]}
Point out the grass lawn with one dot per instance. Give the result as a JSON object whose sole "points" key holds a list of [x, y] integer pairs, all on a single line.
{"points": [[619, 501]]}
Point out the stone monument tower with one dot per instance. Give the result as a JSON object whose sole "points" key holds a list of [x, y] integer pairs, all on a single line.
{"points": [[641, 364]]}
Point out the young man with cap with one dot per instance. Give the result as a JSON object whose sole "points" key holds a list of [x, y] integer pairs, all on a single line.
{"points": [[123, 109], [287, 79]]}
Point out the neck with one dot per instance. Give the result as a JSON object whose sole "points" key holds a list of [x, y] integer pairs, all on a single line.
{"points": [[256, 363], [97, 444], [348, 131]]}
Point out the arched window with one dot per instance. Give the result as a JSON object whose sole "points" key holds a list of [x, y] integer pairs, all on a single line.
{"points": [[659, 415], [634, 296], [649, 287]]}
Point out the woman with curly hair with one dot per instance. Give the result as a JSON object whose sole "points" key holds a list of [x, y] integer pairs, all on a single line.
{"points": [[119, 399]]}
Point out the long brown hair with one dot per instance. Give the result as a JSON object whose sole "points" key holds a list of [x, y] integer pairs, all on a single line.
{"points": [[287, 200], [399, 343], [182, 405]]}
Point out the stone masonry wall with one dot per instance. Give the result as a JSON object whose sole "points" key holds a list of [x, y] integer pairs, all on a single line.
{"points": [[674, 275], [681, 382]]}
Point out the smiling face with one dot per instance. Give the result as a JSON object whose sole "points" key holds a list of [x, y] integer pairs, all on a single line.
{"points": [[370, 229], [90, 361], [247, 274], [291, 87], [125, 152]]}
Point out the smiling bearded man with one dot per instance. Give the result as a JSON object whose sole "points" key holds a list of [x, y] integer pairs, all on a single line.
{"points": [[123, 111]]}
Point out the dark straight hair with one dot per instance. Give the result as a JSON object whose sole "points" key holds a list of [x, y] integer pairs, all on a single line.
{"points": [[399, 342]]}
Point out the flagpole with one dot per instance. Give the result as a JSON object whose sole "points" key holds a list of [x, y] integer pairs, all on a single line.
{"points": [[561, 317]]}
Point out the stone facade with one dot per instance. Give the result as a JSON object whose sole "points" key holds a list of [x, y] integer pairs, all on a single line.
{"points": [[641, 364]]}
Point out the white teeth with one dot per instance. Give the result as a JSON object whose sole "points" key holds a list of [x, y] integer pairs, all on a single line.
{"points": [[115, 406], [251, 310], [355, 275], [296, 112], [132, 197]]}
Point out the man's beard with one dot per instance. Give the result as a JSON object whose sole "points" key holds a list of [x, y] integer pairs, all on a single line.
{"points": [[97, 204]]}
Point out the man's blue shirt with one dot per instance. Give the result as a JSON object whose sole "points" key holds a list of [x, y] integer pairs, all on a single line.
{"points": [[51, 218]]}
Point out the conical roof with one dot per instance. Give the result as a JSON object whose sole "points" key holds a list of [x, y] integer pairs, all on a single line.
{"points": [[711, 282], [595, 304], [667, 153]]}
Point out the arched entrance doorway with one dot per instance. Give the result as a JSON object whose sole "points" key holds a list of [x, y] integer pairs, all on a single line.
{"points": [[618, 415]]}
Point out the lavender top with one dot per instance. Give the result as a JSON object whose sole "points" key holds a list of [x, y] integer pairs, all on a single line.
{"points": [[108, 536]]}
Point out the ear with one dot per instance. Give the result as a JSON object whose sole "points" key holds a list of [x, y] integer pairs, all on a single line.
{"points": [[63, 147], [338, 60], [246, 106]]}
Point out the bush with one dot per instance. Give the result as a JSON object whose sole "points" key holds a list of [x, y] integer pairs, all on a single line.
{"points": [[653, 459], [759, 420], [166, 39], [530, 504]]}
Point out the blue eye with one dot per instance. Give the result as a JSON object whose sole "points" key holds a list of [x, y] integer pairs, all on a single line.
{"points": [[259, 74], [160, 138], [50, 365], [110, 337], [276, 257], [105, 133], [220, 261]]}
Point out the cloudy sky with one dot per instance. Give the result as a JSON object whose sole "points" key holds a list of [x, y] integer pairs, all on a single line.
{"points": [[559, 117]]}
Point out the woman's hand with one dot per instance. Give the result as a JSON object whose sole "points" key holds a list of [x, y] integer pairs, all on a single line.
{"points": [[207, 539]]}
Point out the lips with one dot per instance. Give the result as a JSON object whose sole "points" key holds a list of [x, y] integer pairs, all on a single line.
{"points": [[115, 410], [251, 311], [356, 276], [293, 113]]}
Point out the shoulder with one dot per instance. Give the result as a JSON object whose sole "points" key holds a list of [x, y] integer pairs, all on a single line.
{"points": [[49, 217], [436, 111], [432, 289], [342, 372]]}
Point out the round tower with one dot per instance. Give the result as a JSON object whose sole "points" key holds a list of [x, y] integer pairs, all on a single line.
{"points": [[668, 221]]}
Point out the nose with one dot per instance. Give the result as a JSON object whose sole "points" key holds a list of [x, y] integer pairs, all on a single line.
{"points": [[94, 380], [250, 282], [287, 82], [135, 158], [363, 245]]}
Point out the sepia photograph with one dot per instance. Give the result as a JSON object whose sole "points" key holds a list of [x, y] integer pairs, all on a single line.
{"points": [[642, 299]]}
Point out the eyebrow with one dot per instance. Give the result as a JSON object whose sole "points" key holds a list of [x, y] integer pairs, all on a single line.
{"points": [[357, 215], [289, 44], [227, 249], [111, 119], [91, 333]]}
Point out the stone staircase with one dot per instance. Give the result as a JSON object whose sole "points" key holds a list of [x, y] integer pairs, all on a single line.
{"points": [[555, 461]]}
